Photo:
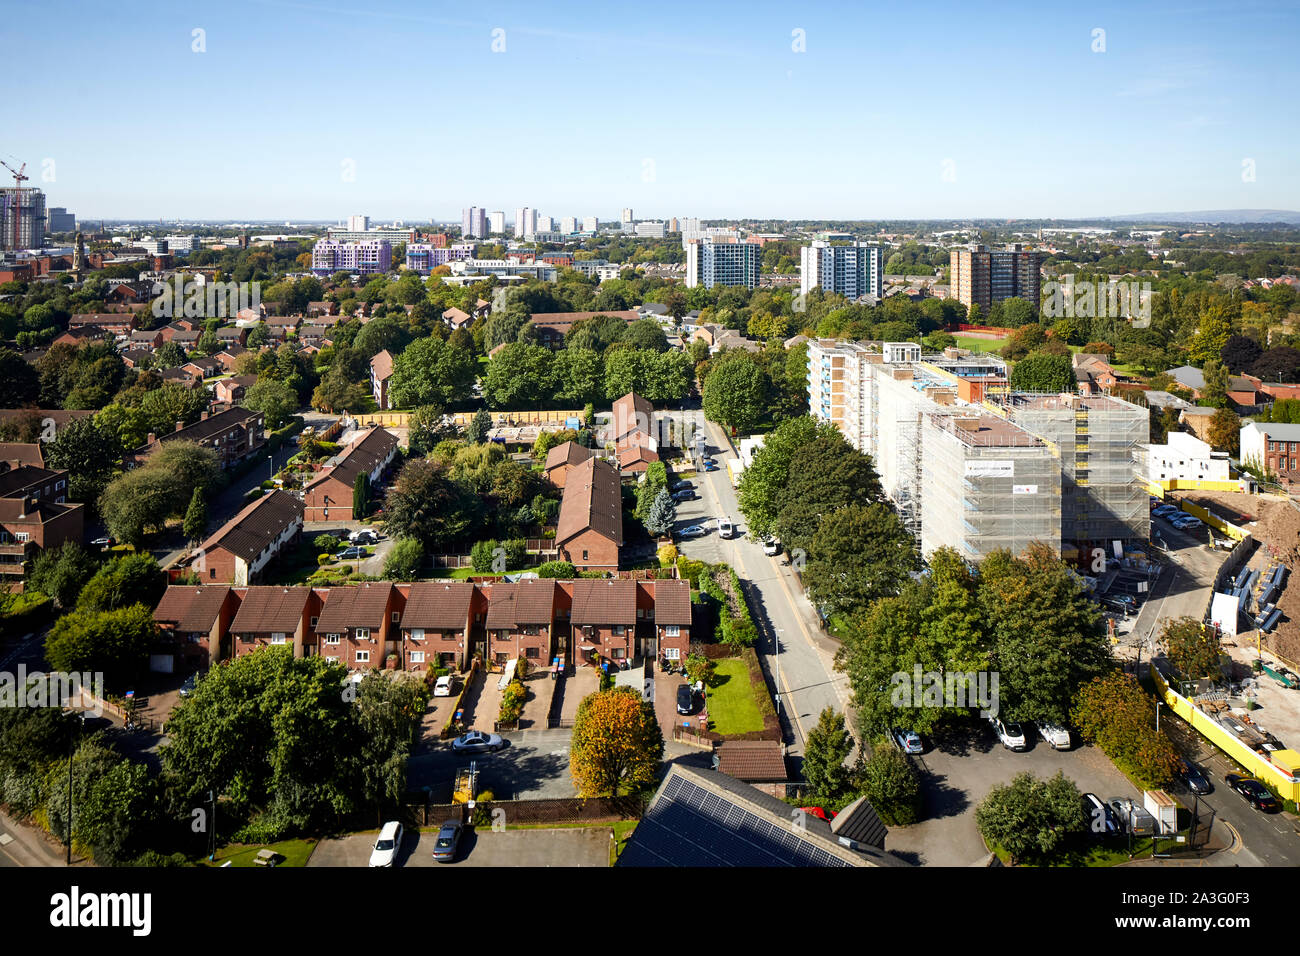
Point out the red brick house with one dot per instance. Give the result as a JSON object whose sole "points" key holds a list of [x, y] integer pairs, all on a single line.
{"points": [[670, 617], [229, 356], [439, 623], [590, 528], [329, 497], [240, 550], [231, 391], [521, 621], [197, 619], [561, 458], [359, 626], [381, 370], [235, 434], [28, 525], [274, 616], [117, 323], [603, 619]]}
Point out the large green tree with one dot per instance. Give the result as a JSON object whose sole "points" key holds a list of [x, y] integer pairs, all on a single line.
{"points": [[1031, 818], [859, 553], [114, 643], [432, 372]]}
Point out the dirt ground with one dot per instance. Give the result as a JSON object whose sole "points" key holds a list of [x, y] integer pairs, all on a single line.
{"points": [[1231, 505]]}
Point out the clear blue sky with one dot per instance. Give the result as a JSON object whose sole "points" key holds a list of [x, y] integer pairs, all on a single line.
{"points": [[733, 120]]}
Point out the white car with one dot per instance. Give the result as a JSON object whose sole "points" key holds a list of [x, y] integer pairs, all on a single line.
{"points": [[772, 547], [725, 528], [386, 847], [443, 686], [1011, 734]]}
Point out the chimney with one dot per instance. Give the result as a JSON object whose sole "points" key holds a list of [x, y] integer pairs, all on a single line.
{"points": [[180, 426], [203, 417], [152, 438], [29, 505]]}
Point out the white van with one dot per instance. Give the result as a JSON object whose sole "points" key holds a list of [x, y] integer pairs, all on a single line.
{"points": [[1057, 737], [725, 528]]}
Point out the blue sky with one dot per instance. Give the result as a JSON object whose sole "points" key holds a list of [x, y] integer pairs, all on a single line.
{"points": [[672, 108]]}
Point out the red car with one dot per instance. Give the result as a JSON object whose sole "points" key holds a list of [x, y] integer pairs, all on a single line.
{"points": [[827, 815]]}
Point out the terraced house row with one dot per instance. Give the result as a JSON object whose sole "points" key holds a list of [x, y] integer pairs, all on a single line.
{"points": [[412, 627]]}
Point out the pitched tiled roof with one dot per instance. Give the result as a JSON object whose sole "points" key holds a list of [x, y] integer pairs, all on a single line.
{"points": [[23, 453], [632, 412], [12, 479], [212, 425], [593, 499], [531, 601], [604, 602], [270, 609], [673, 603], [568, 453], [753, 761], [382, 365], [859, 821], [360, 606], [247, 534], [438, 605], [191, 607], [360, 456]]}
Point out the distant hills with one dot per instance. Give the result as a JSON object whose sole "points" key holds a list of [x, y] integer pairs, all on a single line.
{"points": [[1214, 215]]}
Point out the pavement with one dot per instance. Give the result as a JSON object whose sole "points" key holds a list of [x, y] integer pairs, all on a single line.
{"points": [[534, 765], [22, 845], [803, 671], [959, 771], [565, 846]]}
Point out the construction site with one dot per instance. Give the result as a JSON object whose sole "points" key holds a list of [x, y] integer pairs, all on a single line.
{"points": [[949, 483], [22, 213]]}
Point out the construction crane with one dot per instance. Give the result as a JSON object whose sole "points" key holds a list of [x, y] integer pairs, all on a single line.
{"points": [[16, 205]]}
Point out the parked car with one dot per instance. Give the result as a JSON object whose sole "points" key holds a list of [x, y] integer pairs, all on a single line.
{"points": [[1056, 736], [685, 699], [351, 554], [686, 494], [364, 536], [692, 531], [1100, 818], [477, 742], [1133, 818], [442, 687], [1256, 793], [908, 741], [1011, 734], [681, 485], [1165, 511], [725, 528], [447, 841], [1121, 603], [187, 687], [1196, 779], [104, 542], [709, 465], [385, 849]]}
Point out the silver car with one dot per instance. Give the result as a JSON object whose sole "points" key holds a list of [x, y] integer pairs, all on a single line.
{"points": [[477, 742]]}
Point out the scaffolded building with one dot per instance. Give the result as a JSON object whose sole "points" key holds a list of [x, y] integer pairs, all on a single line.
{"points": [[987, 484], [1100, 441]]}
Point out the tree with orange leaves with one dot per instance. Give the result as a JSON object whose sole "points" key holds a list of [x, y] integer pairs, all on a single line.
{"points": [[617, 744]]}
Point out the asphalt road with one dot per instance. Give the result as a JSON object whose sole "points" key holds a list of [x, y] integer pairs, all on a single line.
{"points": [[805, 675]]}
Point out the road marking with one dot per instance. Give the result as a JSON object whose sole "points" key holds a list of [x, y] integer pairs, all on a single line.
{"points": [[5, 839]]}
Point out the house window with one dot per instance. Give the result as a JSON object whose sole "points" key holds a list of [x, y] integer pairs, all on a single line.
{"points": [[618, 653], [332, 659], [584, 555], [532, 652], [502, 657], [530, 630], [417, 633], [363, 634], [417, 657], [363, 657], [640, 613], [331, 638], [212, 572], [619, 630], [672, 630], [396, 617], [673, 653], [278, 637], [314, 620]]}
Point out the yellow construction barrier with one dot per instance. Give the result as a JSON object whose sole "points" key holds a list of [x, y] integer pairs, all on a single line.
{"points": [[1277, 772]]}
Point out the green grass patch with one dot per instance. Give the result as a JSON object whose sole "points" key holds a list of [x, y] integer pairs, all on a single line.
{"points": [[976, 344], [294, 853], [732, 706]]}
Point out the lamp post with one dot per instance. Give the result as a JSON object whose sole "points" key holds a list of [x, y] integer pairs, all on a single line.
{"points": [[1158, 716], [73, 727]]}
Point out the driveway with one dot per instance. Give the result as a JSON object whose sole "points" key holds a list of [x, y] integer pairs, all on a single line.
{"points": [[567, 846], [958, 774], [534, 765]]}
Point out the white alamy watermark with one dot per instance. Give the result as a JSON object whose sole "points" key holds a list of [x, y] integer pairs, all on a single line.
{"points": [[935, 689], [75, 909], [1113, 299], [205, 300], [55, 689]]}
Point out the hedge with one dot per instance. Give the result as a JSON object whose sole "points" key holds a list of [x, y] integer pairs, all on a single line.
{"points": [[735, 624]]}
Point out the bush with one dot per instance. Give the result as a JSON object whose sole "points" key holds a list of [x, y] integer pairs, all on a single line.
{"points": [[482, 555], [667, 555], [324, 559], [557, 569], [404, 560], [891, 785], [325, 543], [512, 702], [690, 570]]}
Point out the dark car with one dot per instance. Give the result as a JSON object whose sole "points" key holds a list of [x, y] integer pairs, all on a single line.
{"points": [[444, 847], [681, 485], [685, 699], [1256, 793], [189, 684], [686, 494], [1194, 777]]}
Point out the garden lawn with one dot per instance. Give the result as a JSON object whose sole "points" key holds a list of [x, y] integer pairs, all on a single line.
{"points": [[295, 853], [731, 704], [977, 344]]}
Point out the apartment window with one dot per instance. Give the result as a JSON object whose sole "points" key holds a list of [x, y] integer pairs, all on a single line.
{"points": [[278, 637], [331, 638], [672, 630], [417, 657], [363, 634], [363, 657]]}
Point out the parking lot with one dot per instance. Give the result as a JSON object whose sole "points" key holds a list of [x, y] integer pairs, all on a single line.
{"points": [[959, 771], [568, 846]]}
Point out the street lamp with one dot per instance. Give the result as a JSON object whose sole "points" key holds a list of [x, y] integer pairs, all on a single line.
{"points": [[1158, 703], [73, 727]]}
